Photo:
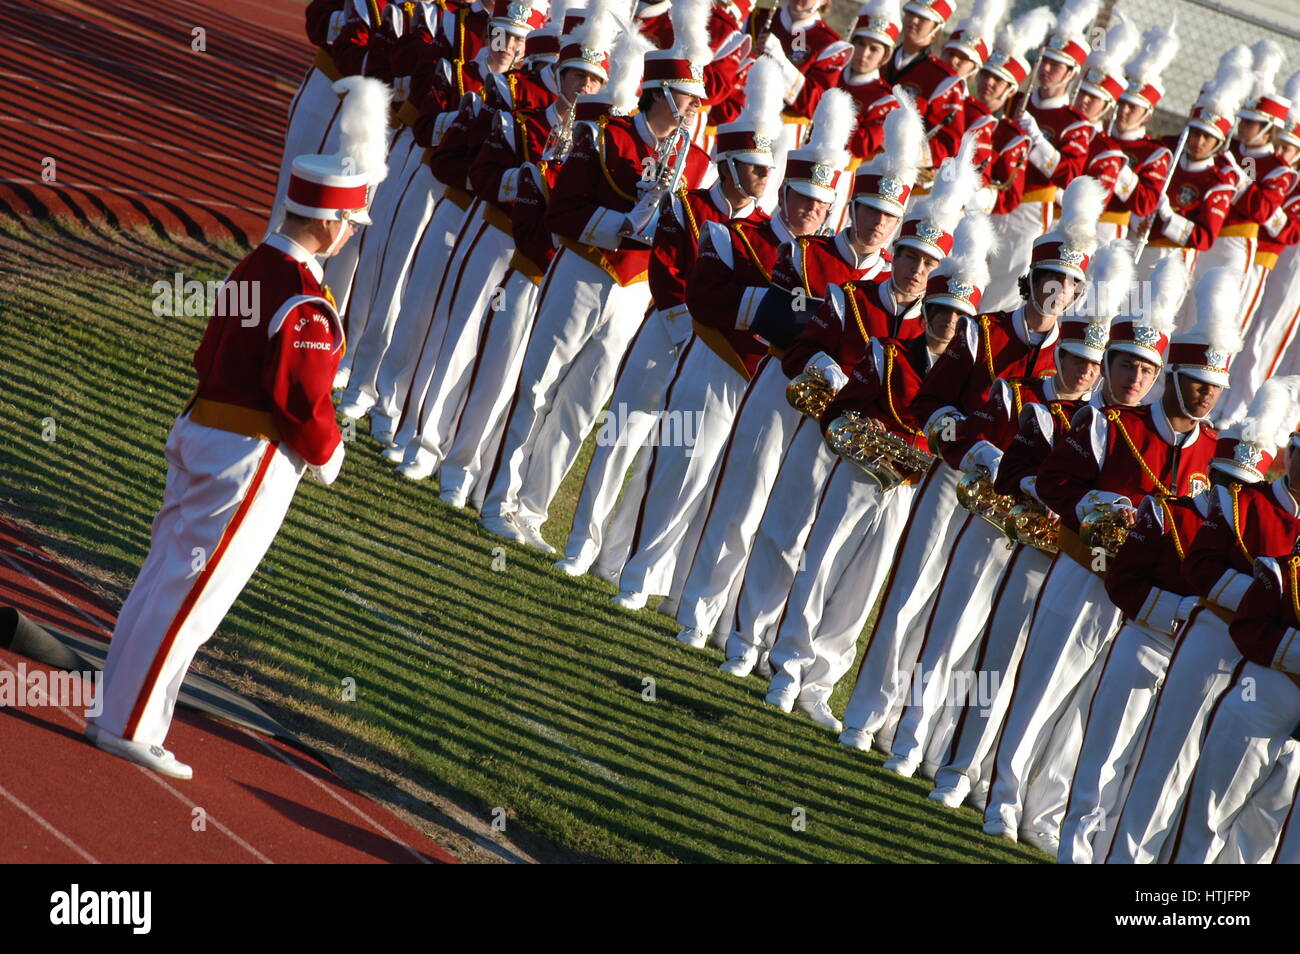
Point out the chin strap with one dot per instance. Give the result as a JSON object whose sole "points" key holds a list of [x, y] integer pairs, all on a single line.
{"points": [[1178, 394], [335, 245]]}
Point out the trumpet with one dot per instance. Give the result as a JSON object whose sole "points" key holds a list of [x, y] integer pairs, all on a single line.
{"points": [[670, 165], [884, 455], [810, 394], [560, 140], [1105, 528], [1032, 525], [975, 493]]}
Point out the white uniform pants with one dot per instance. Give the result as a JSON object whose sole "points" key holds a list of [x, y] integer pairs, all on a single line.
{"points": [[979, 556], [999, 651], [895, 642], [1282, 302], [1267, 328], [1015, 233], [763, 428], [1233, 252], [1118, 720], [1250, 726], [848, 554], [777, 548], [704, 395], [225, 498], [1257, 832], [482, 422], [1202, 667], [625, 434], [469, 297], [585, 321], [1073, 623]]}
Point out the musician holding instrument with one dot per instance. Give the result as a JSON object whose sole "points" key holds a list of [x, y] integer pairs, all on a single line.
{"points": [[874, 36], [1152, 581], [1112, 458], [595, 296]]}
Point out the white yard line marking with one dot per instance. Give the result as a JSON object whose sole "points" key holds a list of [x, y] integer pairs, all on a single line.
{"points": [[48, 827]]}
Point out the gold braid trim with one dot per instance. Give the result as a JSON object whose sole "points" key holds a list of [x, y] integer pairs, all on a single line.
{"points": [[890, 351], [690, 216], [1173, 527], [1113, 416], [1293, 564], [803, 270], [749, 250], [1015, 397], [988, 349], [1058, 412], [1235, 490], [600, 155], [849, 289]]}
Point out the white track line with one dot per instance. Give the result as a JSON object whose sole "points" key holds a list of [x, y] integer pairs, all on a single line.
{"points": [[56, 594], [48, 827], [334, 795], [155, 777]]}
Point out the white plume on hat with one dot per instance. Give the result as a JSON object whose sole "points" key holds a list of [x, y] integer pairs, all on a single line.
{"points": [[1110, 281], [904, 139], [1074, 19], [1266, 60], [1169, 282], [626, 64], [890, 10], [1081, 209], [1218, 294], [764, 97], [363, 125], [1120, 43], [1273, 414], [973, 243], [598, 28], [1232, 82], [690, 19], [983, 19], [833, 122], [955, 183], [559, 9], [1025, 32], [1160, 45], [1292, 91]]}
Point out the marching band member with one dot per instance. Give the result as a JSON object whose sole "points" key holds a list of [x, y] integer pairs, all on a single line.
{"points": [[260, 418], [595, 295], [482, 255], [1111, 459], [480, 430], [1195, 203], [765, 422], [979, 554], [1274, 176], [966, 52], [1058, 147], [933, 84], [851, 544], [1148, 581], [656, 363], [1133, 346], [994, 345], [1279, 242], [875, 34], [834, 341]]}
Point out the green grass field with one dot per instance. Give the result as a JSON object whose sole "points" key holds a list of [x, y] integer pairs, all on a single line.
{"points": [[502, 687]]}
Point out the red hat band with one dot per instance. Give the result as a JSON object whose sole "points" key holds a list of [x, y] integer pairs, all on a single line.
{"points": [[954, 292], [317, 195], [886, 31], [925, 236]]}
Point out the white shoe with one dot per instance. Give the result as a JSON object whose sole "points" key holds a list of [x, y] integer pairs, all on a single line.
{"points": [[859, 739], [630, 599], [392, 453], [1042, 840], [739, 666], [605, 573], [419, 469], [1001, 829], [901, 765], [572, 566], [353, 410], [783, 699], [453, 497], [693, 638], [820, 713], [341, 378], [150, 756], [502, 526], [764, 666], [951, 796], [533, 536], [929, 770]]}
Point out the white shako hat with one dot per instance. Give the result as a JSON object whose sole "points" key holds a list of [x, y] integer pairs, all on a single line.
{"points": [[1265, 104], [751, 136], [1247, 447], [973, 37], [1009, 59], [1103, 73], [588, 47], [1204, 350], [879, 20], [1068, 42], [886, 181], [1159, 47], [619, 96], [1068, 247], [814, 169], [341, 186], [1085, 330], [518, 17], [1144, 331], [1216, 108], [682, 67], [960, 279]]}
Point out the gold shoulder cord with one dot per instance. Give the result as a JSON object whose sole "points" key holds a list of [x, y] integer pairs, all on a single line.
{"points": [[988, 349], [803, 261], [1113, 416], [600, 155], [1058, 412], [1235, 490], [749, 250], [521, 128], [1173, 527], [1015, 397], [890, 351], [849, 289], [690, 216], [1293, 564]]}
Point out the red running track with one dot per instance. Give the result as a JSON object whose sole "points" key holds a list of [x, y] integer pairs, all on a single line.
{"points": [[143, 130], [252, 799]]}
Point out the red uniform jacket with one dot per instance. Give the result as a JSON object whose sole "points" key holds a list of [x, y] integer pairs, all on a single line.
{"points": [[814, 48], [721, 75], [534, 244], [937, 89], [443, 106], [876, 100], [1146, 578], [597, 187], [997, 420], [515, 138], [1280, 231], [1265, 627], [883, 384], [1039, 425], [677, 244], [851, 316], [1271, 183], [733, 271], [1149, 159], [271, 374], [1065, 128], [1200, 192], [803, 273], [1105, 162], [1122, 452], [984, 349], [318, 19], [1247, 522]]}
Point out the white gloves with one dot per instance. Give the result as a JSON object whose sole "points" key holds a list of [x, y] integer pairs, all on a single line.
{"points": [[328, 472], [1126, 182], [793, 79], [984, 200], [829, 369], [984, 455], [1164, 209], [1029, 126]]}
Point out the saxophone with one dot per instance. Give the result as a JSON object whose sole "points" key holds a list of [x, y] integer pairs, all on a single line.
{"points": [[1031, 524], [810, 394], [1105, 528], [559, 141], [884, 455], [975, 493], [670, 165]]}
